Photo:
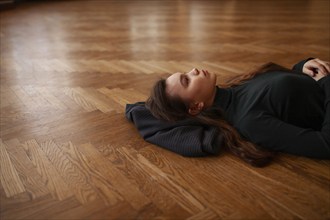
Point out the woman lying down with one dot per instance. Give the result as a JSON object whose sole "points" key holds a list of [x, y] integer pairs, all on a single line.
{"points": [[272, 109]]}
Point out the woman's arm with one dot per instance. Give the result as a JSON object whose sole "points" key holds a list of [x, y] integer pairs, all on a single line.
{"points": [[185, 137]]}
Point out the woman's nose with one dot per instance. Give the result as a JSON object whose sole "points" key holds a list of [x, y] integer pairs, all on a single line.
{"points": [[194, 71]]}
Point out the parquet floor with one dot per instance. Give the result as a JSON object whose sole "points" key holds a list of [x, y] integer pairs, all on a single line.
{"points": [[69, 67]]}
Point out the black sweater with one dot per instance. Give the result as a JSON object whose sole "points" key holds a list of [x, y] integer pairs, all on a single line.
{"points": [[281, 111]]}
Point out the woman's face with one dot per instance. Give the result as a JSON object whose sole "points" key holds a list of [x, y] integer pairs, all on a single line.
{"points": [[194, 86]]}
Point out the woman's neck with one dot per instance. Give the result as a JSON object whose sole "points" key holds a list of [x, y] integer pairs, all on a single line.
{"points": [[210, 102]]}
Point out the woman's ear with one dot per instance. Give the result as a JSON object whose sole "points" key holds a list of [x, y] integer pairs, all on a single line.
{"points": [[196, 108]]}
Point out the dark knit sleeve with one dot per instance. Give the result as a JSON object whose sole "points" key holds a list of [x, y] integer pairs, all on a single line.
{"points": [[186, 138], [298, 67]]}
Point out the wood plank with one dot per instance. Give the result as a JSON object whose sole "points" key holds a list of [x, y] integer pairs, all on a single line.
{"points": [[102, 185], [198, 183], [71, 171], [117, 180], [7, 97], [55, 102], [205, 214], [99, 101], [41, 208], [40, 101], [158, 195], [282, 200], [48, 172], [98, 210], [186, 200], [10, 180], [24, 97], [123, 97], [79, 100], [32, 181]]}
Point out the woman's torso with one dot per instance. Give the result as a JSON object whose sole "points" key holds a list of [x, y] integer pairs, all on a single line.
{"points": [[293, 98]]}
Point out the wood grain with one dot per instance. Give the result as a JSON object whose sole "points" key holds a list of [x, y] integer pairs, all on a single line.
{"points": [[73, 174], [54, 181], [32, 181], [68, 69], [10, 180]]}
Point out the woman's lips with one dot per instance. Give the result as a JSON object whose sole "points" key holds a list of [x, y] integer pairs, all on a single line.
{"points": [[205, 73]]}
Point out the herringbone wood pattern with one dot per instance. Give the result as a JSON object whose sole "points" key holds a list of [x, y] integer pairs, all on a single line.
{"points": [[68, 68]]}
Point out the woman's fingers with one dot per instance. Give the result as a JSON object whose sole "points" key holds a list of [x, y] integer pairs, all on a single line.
{"points": [[322, 66], [317, 68], [309, 72], [325, 65], [319, 76]]}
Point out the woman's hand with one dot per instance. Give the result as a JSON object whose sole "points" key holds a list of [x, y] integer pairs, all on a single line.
{"points": [[316, 68]]}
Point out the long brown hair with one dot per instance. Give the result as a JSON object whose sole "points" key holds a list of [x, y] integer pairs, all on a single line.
{"points": [[169, 108]]}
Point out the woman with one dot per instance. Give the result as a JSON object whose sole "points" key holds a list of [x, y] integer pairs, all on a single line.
{"points": [[268, 110]]}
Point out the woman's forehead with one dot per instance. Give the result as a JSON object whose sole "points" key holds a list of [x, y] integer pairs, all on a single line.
{"points": [[173, 84]]}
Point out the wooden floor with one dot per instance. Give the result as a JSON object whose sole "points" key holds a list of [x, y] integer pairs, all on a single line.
{"points": [[67, 70]]}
